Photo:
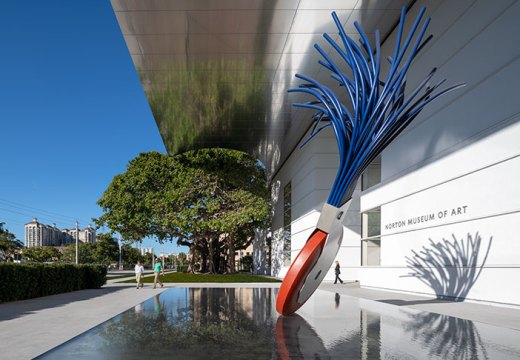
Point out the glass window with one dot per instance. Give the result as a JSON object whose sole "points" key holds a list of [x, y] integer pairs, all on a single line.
{"points": [[371, 237], [372, 174]]}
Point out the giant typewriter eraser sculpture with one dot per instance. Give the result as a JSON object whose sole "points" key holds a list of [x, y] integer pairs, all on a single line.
{"points": [[378, 110]]}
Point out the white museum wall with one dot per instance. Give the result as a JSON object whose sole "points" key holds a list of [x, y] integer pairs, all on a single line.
{"points": [[461, 152], [311, 171]]}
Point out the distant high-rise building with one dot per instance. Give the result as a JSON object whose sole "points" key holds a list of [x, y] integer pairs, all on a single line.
{"points": [[87, 235], [38, 234], [145, 250]]}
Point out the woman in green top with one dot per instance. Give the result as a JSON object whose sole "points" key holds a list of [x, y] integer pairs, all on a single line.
{"points": [[157, 269]]}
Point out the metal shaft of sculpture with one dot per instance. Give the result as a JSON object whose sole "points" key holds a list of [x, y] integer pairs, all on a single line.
{"points": [[378, 111]]}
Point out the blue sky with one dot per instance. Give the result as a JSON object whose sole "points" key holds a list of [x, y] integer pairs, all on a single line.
{"points": [[72, 111]]}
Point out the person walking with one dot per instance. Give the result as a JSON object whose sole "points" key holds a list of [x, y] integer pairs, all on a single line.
{"points": [[139, 271], [157, 269], [337, 271]]}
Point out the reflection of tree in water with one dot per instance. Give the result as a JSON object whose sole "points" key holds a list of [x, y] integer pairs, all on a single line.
{"points": [[449, 268], [215, 323], [209, 103], [447, 337]]}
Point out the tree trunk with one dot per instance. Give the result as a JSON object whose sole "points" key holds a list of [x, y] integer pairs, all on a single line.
{"points": [[216, 257], [231, 255], [203, 260], [191, 263], [211, 257]]}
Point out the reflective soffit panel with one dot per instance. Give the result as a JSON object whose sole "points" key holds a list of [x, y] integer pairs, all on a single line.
{"points": [[216, 72]]}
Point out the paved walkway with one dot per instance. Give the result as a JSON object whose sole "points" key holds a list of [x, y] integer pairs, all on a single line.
{"points": [[29, 328]]}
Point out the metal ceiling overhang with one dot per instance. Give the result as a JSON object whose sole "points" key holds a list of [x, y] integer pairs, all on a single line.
{"points": [[216, 72]]}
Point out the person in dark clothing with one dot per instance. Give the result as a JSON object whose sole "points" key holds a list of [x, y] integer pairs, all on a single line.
{"points": [[337, 271]]}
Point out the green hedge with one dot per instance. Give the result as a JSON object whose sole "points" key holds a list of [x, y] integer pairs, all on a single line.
{"points": [[30, 280]]}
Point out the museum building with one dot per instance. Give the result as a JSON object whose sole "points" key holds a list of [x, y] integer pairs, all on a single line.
{"points": [[438, 212]]}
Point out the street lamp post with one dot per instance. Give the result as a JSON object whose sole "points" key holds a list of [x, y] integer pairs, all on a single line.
{"points": [[77, 237], [120, 257]]}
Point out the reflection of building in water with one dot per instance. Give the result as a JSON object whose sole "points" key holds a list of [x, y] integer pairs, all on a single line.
{"points": [[370, 339], [368, 330], [230, 303]]}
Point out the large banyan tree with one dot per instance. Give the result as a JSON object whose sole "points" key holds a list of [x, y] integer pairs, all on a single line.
{"points": [[210, 200]]}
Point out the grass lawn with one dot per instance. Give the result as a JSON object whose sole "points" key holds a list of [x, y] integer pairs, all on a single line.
{"points": [[176, 277]]}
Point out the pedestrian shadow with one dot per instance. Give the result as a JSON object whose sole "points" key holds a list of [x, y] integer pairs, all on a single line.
{"points": [[449, 268], [15, 309]]}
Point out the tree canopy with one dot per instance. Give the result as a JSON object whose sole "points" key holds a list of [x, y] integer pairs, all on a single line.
{"points": [[207, 199], [42, 254], [104, 251], [8, 244]]}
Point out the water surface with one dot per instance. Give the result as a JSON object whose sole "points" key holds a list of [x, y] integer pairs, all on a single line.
{"points": [[241, 323]]}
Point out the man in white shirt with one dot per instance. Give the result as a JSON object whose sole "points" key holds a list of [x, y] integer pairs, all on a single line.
{"points": [[139, 271]]}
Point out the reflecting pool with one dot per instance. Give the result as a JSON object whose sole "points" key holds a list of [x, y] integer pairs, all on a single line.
{"points": [[242, 323]]}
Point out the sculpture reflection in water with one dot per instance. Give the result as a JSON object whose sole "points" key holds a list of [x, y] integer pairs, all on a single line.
{"points": [[297, 339], [446, 337], [450, 268]]}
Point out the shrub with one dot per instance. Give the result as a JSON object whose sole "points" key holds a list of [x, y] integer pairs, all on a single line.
{"points": [[30, 280], [182, 268]]}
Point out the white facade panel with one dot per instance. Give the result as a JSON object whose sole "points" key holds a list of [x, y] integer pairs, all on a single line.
{"points": [[449, 195], [311, 171], [473, 196], [477, 260]]}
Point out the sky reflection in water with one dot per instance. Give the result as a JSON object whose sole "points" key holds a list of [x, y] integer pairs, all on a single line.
{"points": [[241, 323]]}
